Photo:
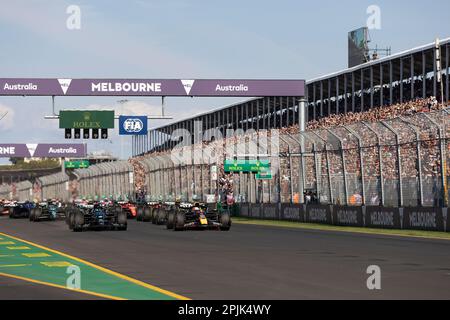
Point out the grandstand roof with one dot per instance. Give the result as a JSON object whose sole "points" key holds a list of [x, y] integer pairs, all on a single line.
{"points": [[381, 60]]}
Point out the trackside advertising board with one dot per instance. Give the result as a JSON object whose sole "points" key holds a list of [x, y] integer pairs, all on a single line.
{"points": [[86, 119], [246, 166], [151, 87], [42, 150], [133, 125], [76, 164]]}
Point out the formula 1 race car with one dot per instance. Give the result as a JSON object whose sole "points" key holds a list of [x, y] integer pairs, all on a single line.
{"points": [[161, 215], [49, 211], [95, 216], [198, 216], [4, 207], [156, 212], [20, 210], [146, 212], [129, 208]]}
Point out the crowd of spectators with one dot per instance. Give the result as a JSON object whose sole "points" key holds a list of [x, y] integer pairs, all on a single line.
{"points": [[139, 175], [377, 114]]}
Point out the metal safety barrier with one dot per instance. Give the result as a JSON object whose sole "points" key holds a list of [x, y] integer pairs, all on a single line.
{"points": [[406, 218]]}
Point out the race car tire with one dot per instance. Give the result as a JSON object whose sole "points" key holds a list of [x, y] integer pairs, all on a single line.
{"points": [[225, 221], [67, 213], [155, 215], [32, 214], [139, 215], [11, 213], [78, 221], [179, 222], [37, 214], [170, 220], [147, 214], [161, 217], [122, 218], [71, 219]]}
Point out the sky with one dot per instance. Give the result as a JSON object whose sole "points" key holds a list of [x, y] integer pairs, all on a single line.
{"points": [[185, 39]]}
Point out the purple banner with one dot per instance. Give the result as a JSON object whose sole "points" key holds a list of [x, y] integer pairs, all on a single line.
{"points": [[151, 87], [43, 150]]}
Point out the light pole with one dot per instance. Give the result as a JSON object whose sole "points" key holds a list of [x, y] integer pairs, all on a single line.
{"points": [[121, 102]]}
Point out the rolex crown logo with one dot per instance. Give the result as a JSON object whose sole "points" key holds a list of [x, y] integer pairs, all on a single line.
{"points": [[87, 116]]}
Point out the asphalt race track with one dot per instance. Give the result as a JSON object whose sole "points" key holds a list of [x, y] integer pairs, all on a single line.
{"points": [[13, 289], [249, 262]]}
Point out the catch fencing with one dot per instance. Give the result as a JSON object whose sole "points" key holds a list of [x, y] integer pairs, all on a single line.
{"points": [[54, 186], [5, 191], [114, 180], [23, 190]]}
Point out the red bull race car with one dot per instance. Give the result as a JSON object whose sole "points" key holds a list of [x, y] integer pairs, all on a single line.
{"points": [[198, 216]]}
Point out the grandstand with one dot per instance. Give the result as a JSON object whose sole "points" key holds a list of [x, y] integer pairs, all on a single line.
{"points": [[375, 136]]}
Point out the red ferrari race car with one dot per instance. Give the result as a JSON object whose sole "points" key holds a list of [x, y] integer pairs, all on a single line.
{"points": [[129, 208]]}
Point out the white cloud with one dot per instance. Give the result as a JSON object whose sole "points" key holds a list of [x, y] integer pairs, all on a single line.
{"points": [[7, 117]]}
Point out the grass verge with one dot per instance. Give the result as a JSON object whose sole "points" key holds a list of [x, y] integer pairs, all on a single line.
{"points": [[311, 226]]}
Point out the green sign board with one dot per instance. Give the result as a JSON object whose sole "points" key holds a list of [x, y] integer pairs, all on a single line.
{"points": [[86, 119], [264, 176], [246, 166], [77, 164]]}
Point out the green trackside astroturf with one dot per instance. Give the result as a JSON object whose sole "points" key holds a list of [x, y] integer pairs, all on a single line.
{"points": [[25, 260]]}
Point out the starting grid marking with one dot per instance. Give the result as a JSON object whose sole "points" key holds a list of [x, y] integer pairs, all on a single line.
{"points": [[6, 243], [36, 255], [57, 264], [14, 265], [34, 263]]}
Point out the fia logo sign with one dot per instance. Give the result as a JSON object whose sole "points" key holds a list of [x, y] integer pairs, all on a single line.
{"points": [[133, 125]]}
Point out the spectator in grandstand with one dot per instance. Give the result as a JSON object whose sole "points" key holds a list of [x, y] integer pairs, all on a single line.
{"points": [[374, 200], [308, 197]]}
